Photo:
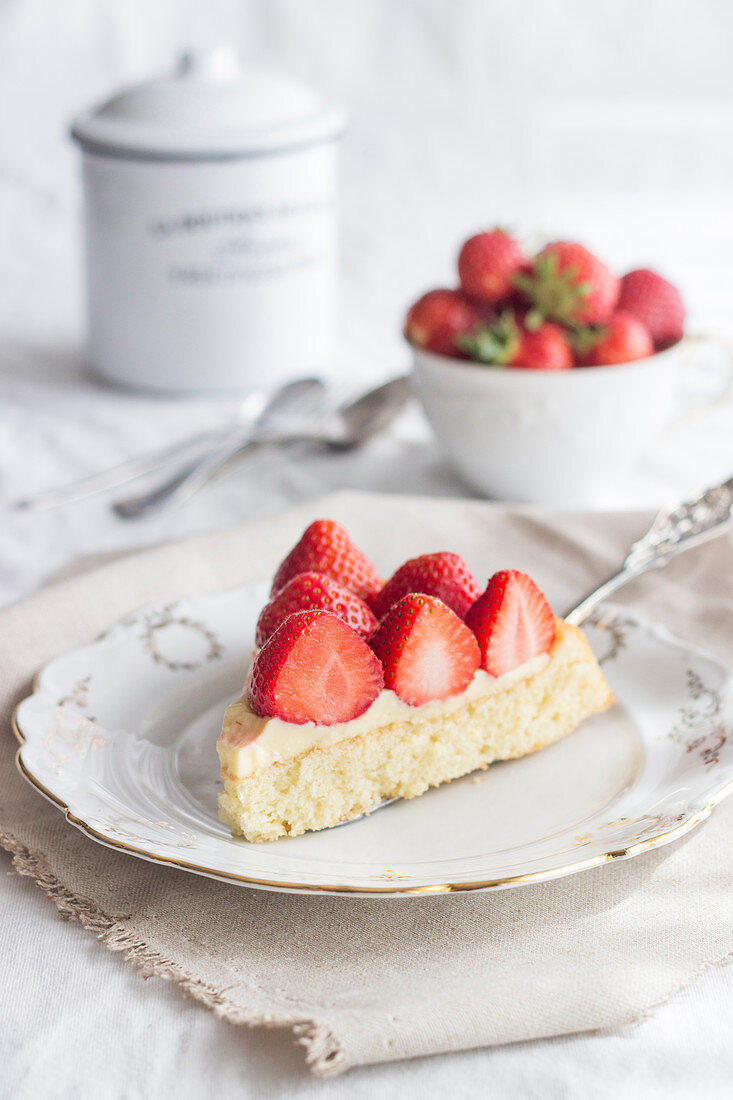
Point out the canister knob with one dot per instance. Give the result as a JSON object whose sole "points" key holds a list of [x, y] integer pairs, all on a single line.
{"points": [[216, 63]]}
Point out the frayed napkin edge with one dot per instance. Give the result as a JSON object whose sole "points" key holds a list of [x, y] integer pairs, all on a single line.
{"points": [[324, 1054]]}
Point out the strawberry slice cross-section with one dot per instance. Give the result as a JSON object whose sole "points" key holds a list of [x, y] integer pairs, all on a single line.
{"points": [[426, 651], [314, 668], [512, 621]]}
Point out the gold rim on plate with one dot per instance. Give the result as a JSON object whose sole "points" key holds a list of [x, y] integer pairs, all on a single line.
{"points": [[638, 848]]}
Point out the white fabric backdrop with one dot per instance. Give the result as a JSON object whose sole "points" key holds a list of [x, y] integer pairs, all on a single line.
{"points": [[609, 121]]}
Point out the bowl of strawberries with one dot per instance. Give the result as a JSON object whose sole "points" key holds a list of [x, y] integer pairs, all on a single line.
{"points": [[544, 376]]}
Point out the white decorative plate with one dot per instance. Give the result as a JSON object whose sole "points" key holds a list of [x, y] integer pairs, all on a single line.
{"points": [[121, 734]]}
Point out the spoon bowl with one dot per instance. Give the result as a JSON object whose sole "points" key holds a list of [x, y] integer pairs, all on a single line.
{"points": [[369, 414]]}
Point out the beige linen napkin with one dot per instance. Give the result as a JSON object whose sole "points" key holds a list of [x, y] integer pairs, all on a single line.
{"points": [[363, 981]]}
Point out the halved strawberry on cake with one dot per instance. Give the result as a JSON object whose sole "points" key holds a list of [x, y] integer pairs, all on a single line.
{"points": [[341, 712]]}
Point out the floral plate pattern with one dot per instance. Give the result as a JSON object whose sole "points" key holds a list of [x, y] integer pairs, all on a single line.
{"points": [[121, 735]]}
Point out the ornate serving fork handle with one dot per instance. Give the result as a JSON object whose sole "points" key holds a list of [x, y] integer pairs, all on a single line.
{"points": [[673, 531], [683, 527]]}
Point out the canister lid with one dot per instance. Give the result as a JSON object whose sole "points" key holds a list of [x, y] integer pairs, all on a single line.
{"points": [[212, 106]]}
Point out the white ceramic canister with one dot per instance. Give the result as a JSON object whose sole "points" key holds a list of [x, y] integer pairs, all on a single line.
{"points": [[211, 228]]}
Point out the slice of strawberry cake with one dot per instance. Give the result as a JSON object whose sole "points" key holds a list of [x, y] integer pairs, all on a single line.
{"points": [[361, 691]]}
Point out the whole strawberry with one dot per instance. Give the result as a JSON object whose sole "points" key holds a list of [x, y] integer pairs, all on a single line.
{"points": [[426, 651], [444, 575], [311, 591], [622, 339], [655, 302], [314, 668], [437, 319], [325, 547], [545, 348], [487, 264], [508, 342], [512, 621], [568, 284]]}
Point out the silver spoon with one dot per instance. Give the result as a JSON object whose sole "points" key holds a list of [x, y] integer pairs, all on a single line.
{"points": [[348, 426]]}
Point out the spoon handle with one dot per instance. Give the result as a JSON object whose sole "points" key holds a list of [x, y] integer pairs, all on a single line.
{"points": [[189, 479], [582, 610], [130, 469], [673, 530]]}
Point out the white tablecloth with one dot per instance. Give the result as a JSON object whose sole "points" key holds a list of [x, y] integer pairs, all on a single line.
{"points": [[596, 121]]}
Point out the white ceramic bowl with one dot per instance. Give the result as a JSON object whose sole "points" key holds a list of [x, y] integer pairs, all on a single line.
{"points": [[550, 437]]}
